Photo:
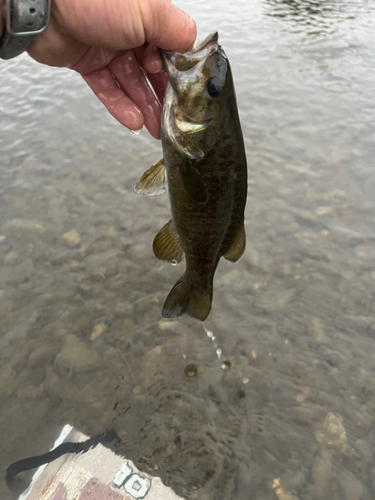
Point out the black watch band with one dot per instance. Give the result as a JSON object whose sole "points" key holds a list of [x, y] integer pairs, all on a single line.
{"points": [[25, 19]]}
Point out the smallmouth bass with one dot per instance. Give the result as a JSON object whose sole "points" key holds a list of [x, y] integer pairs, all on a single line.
{"points": [[204, 163]]}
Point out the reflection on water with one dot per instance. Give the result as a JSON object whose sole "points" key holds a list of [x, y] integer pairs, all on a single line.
{"points": [[310, 9], [275, 397], [313, 17]]}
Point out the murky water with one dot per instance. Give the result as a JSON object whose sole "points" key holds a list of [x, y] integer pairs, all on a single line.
{"points": [[276, 398]]}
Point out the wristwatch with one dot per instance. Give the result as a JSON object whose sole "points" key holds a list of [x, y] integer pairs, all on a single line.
{"points": [[25, 19]]}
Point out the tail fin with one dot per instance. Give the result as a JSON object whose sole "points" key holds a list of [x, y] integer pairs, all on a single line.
{"points": [[187, 298]]}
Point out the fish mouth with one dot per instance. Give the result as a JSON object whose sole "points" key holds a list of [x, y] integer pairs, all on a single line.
{"points": [[175, 61], [209, 43]]}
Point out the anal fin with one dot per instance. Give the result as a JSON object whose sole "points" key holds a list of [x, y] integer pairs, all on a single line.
{"points": [[238, 246], [166, 245], [152, 182]]}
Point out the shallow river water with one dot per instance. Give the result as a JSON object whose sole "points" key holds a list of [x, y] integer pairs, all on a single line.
{"points": [[280, 402]]}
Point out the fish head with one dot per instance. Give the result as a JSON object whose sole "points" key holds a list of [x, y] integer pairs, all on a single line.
{"points": [[198, 89]]}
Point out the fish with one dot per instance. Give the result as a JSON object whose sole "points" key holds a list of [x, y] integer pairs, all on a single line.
{"points": [[204, 165]]}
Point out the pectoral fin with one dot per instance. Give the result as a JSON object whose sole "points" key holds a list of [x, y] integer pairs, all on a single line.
{"points": [[193, 182], [238, 246], [152, 182], [166, 245], [186, 147]]}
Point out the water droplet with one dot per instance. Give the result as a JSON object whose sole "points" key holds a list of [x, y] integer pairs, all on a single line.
{"points": [[156, 467], [184, 356], [218, 352], [174, 262], [213, 338], [226, 365], [136, 132], [245, 380], [191, 370], [209, 334]]}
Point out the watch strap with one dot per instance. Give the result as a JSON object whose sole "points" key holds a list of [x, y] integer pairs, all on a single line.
{"points": [[25, 20]]}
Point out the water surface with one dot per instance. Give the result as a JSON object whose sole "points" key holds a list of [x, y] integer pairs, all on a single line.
{"points": [[272, 399]]}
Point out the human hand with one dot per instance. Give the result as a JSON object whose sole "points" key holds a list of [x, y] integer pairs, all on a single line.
{"points": [[109, 42]]}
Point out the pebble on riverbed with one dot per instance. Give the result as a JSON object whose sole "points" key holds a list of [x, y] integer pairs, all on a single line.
{"points": [[332, 432], [280, 492], [72, 238], [97, 331], [25, 224]]}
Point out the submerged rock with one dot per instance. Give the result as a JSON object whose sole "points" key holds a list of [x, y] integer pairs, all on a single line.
{"points": [[25, 224], [281, 493], [332, 432], [353, 488], [75, 355], [97, 331], [10, 257], [72, 238], [322, 470], [22, 272], [40, 356], [123, 330], [8, 381], [272, 299]]}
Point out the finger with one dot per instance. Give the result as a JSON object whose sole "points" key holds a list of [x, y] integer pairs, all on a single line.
{"points": [[151, 60], [125, 24], [114, 99], [159, 84], [146, 55], [129, 75], [168, 27]]}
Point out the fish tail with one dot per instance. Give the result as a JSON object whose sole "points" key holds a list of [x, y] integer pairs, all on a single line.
{"points": [[187, 298]]}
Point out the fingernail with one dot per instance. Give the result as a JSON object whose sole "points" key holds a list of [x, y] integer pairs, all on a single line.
{"points": [[135, 132], [157, 66]]}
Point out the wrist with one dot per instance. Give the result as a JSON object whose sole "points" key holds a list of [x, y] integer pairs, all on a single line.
{"points": [[2, 16], [25, 19]]}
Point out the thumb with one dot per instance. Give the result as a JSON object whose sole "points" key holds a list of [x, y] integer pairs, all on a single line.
{"points": [[168, 27]]}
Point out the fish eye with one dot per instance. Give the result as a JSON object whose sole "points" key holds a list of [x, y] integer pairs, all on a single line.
{"points": [[212, 88]]}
